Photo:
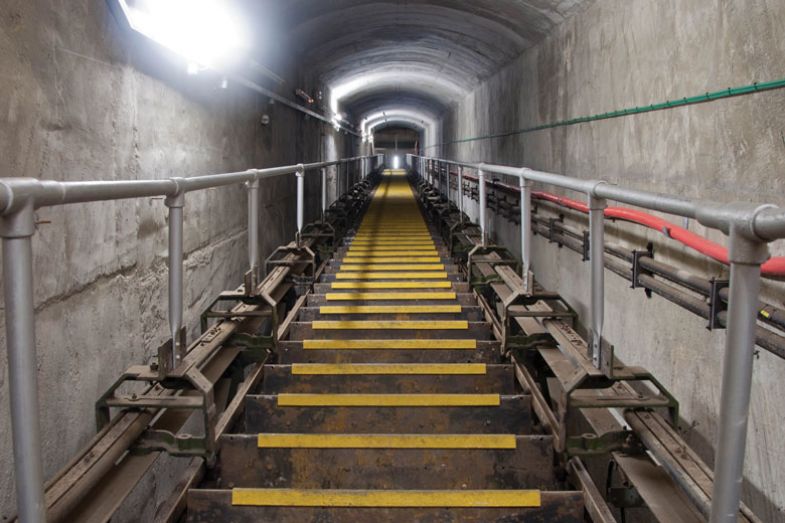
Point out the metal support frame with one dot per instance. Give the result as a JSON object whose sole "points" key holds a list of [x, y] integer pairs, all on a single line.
{"points": [[746, 257], [300, 175], [749, 227], [252, 276], [526, 234], [19, 197], [170, 356], [482, 203], [597, 261], [17, 230], [460, 192], [323, 172]]}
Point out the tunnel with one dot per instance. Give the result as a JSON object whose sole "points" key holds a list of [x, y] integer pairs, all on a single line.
{"points": [[393, 260]]}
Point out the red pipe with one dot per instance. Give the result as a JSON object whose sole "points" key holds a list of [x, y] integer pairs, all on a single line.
{"points": [[773, 268]]}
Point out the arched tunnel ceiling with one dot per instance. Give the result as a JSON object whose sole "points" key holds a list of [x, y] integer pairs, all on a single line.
{"points": [[416, 54]]}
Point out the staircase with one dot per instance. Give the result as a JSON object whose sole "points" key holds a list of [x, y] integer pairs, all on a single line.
{"points": [[389, 401]]}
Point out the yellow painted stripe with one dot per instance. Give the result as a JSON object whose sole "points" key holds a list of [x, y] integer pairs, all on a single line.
{"points": [[391, 259], [288, 399], [390, 325], [389, 368], [391, 285], [387, 441], [507, 498], [390, 344], [389, 309], [391, 275], [393, 241], [393, 251], [392, 267], [370, 296], [411, 235]]}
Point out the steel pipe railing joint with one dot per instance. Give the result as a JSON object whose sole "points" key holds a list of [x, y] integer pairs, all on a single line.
{"points": [[16, 193], [177, 199], [20, 222], [738, 217]]}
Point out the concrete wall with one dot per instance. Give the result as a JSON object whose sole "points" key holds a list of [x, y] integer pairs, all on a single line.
{"points": [[80, 98], [625, 53]]}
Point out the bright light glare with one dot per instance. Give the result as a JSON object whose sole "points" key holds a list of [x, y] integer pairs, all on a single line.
{"points": [[396, 162], [205, 32]]}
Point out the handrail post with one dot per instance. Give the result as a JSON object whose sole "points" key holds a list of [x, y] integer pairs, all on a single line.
{"points": [[253, 228], [323, 172], [460, 192], [597, 268], [300, 175], [448, 184], [746, 257], [526, 233], [175, 204], [17, 231], [481, 184]]}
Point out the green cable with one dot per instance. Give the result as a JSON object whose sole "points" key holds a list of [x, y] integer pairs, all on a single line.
{"points": [[702, 98]]}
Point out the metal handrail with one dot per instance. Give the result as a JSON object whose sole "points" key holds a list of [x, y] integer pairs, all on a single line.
{"points": [[20, 197], [749, 226]]}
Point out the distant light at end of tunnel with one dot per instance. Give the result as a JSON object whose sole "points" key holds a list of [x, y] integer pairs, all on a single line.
{"points": [[396, 161], [207, 33]]}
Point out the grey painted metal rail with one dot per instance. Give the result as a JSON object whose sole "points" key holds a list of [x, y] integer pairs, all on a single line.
{"points": [[20, 197], [749, 227]]}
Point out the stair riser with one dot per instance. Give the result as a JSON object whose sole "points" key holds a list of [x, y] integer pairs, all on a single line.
{"points": [[262, 414], [526, 467]]}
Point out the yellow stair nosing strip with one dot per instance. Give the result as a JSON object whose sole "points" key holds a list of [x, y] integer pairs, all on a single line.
{"points": [[384, 344], [389, 309], [441, 284], [391, 275], [373, 296], [388, 441], [388, 369], [391, 267], [390, 324], [289, 399], [391, 259], [507, 498]]}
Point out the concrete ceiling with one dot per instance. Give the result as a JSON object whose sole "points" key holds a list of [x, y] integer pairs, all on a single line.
{"points": [[420, 55]]}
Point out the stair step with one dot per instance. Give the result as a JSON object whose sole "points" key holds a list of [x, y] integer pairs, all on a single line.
{"points": [[290, 399], [389, 325], [321, 299], [387, 441], [389, 259], [389, 378], [336, 351], [511, 415], [388, 275], [388, 309], [323, 288], [403, 331], [208, 506], [387, 461]]}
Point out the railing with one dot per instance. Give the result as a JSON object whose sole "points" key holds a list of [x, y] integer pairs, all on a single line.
{"points": [[20, 197], [750, 228]]}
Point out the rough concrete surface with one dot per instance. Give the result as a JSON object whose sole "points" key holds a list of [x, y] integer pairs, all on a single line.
{"points": [[621, 53], [81, 98]]}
